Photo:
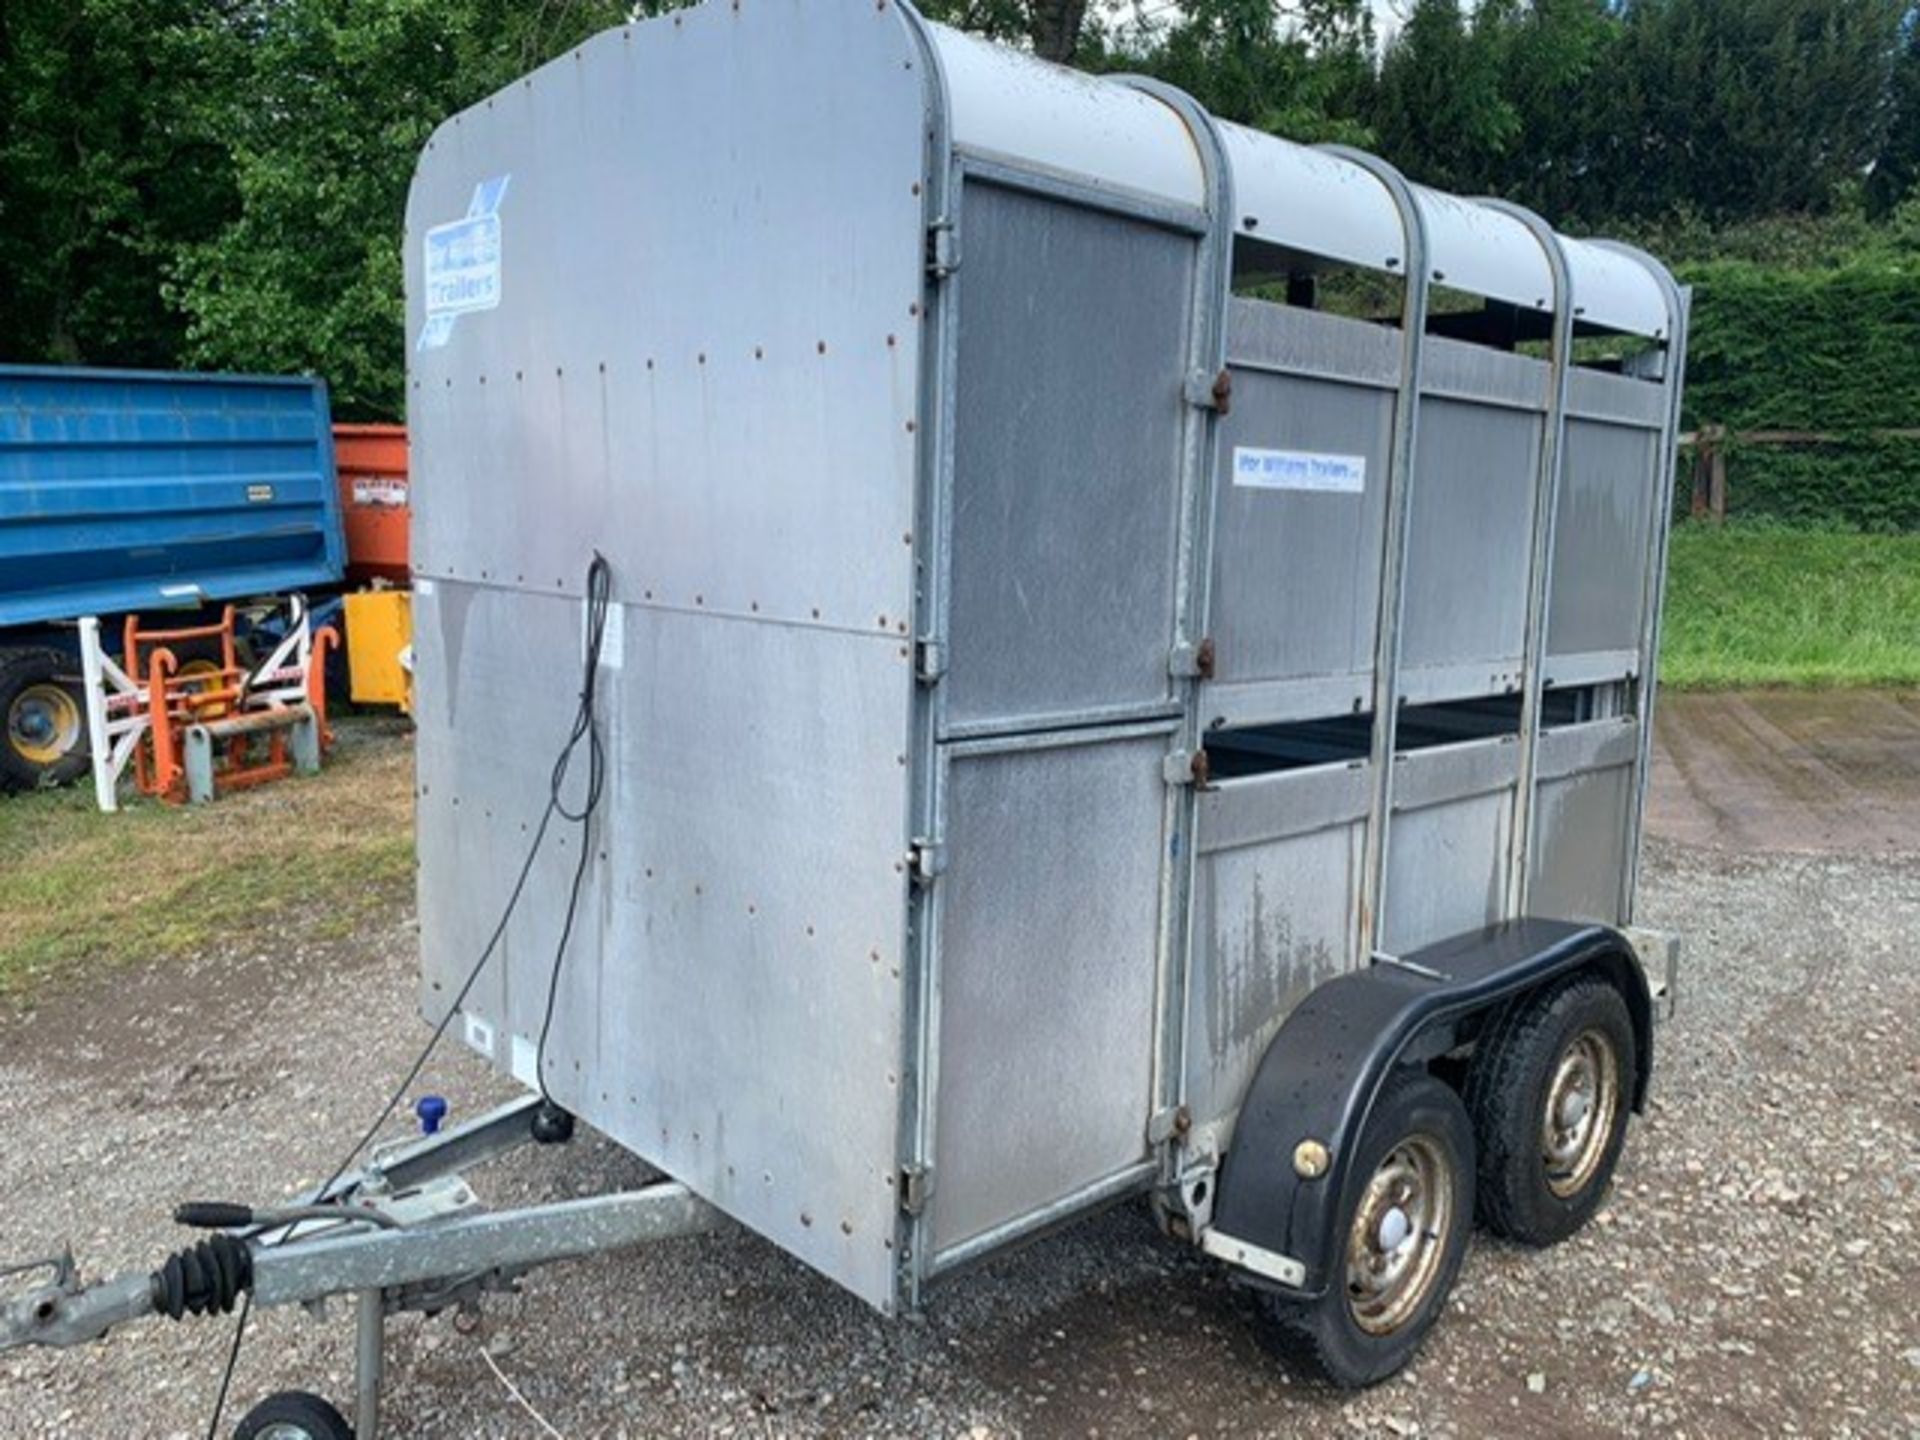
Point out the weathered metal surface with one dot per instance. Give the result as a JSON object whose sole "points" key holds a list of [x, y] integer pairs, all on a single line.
{"points": [[1447, 871], [1467, 561], [1067, 443], [1274, 914], [1047, 974], [704, 363], [507, 1239], [1600, 544], [1297, 571], [896, 399]]}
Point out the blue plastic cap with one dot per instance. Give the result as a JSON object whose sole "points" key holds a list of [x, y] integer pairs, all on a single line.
{"points": [[432, 1110]]}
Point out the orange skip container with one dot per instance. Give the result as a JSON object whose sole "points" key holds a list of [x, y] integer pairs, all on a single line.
{"points": [[371, 462]]}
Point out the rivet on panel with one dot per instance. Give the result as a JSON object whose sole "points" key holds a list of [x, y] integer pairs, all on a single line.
{"points": [[822, 347]]}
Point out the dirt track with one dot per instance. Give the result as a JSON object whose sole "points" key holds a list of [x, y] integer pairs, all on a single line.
{"points": [[1798, 770], [1754, 1274]]}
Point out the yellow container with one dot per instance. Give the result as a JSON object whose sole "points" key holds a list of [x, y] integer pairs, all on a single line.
{"points": [[379, 644]]}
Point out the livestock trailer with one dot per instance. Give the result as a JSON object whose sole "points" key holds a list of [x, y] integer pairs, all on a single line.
{"points": [[124, 491], [1116, 660]]}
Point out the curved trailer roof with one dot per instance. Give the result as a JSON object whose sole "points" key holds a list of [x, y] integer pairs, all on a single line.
{"points": [[1317, 202]]}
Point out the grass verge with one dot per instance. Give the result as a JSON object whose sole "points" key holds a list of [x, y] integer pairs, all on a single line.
{"points": [[157, 882], [1751, 605]]}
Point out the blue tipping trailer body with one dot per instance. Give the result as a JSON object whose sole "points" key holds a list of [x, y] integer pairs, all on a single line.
{"points": [[133, 491]]}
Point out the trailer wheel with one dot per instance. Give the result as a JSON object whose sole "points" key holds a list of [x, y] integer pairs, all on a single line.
{"points": [[293, 1415], [1406, 1213], [45, 741], [1549, 1099]]}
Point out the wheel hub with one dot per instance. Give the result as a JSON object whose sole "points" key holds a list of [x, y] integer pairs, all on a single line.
{"points": [[1583, 1103], [43, 724], [1399, 1235]]}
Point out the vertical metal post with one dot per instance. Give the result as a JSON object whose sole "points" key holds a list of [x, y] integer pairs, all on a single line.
{"points": [[99, 742], [1656, 576], [197, 752], [304, 741], [1546, 515], [1206, 359], [1386, 646], [369, 1362], [925, 819]]}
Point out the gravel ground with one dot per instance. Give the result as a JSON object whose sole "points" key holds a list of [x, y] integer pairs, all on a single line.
{"points": [[1755, 1272]]}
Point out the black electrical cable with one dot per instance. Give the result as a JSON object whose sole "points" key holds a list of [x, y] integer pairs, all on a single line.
{"points": [[585, 727], [599, 589]]}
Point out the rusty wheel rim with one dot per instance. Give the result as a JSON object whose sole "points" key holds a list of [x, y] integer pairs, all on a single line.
{"points": [[1399, 1235], [1583, 1105]]}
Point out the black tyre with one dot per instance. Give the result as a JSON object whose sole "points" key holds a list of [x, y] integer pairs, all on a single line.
{"points": [[1406, 1213], [45, 717], [293, 1415], [1548, 1091]]}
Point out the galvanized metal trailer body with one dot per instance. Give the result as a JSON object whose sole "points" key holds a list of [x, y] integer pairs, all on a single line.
{"points": [[891, 372], [1087, 711]]}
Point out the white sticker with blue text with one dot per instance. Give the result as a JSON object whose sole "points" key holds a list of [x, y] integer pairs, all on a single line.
{"points": [[463, 270], [1299, 470]]}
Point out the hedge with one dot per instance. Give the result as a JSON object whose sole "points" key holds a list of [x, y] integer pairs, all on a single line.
{"points": [[1835, 351]]}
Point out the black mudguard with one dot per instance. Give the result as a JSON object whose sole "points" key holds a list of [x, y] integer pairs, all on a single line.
{"points": [[1323, 1070]]}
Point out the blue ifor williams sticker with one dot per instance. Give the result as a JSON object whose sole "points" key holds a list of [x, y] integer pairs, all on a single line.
{"points": [[463, 263]]}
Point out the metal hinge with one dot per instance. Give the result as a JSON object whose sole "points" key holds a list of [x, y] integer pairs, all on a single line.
{"points": [[930, 661], [1187, 659], [1186, 767], [1211, 391], [943, 249], [1165, 1124], [916, 1183], [929, 858]]}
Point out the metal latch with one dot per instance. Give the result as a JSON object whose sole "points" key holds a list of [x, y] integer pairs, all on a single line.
{"points": [[1186, 767], [916, 1183], [1187, 659], [930, 661], [929, 859], [943, 248], [1211, 391]]}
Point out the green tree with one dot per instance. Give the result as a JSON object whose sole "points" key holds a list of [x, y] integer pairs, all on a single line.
{"points": [[101, 179], [1897, 167], [1288, 68], [1741, 108], [1440, 112], [332, 102]]}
